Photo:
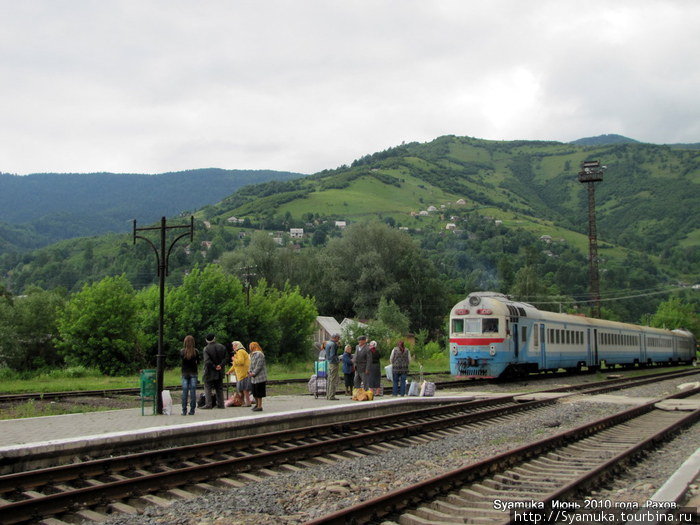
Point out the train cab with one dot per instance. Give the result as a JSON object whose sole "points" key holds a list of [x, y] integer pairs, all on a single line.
{"points": [[479, 336]]}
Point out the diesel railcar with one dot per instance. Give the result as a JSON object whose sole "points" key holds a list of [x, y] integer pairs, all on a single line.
{"points": [[493, 336]]}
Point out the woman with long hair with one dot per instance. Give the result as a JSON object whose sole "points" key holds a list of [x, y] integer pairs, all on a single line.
{"points": [[240, 365], [257, 374], [190, 363]]}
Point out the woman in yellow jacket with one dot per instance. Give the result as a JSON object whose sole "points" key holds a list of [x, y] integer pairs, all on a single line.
{"points": [[241, 366]]}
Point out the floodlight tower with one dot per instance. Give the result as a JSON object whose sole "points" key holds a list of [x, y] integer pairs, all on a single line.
{"points": [[592, 172]]}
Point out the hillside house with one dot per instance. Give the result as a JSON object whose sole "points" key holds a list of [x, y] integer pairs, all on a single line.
{"points": [[341, 224], [296, 233]]}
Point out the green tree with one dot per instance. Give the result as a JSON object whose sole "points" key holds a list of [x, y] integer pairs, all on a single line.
{"points": [[295, 316], [371, 261], [98, 328], [35, 322], [209, 300], [527, 284], [391, 315], [676, 313], [8, 334]]}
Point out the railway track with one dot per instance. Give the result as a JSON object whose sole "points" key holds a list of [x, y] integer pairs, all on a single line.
{"points": [[544, 482], [126, 483], [110, 392]]}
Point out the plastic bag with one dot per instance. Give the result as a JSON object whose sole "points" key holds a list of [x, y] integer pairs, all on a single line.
{"points": [[235, 400], [167, 402], [359, 394], [388, 369], [413, 389]]}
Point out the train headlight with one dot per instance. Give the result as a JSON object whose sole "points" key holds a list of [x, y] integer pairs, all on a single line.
{"points": [[474, 300], [492, 350], [453, 349]]}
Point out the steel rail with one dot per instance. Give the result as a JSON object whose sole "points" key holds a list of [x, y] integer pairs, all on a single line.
{"points": [[335, 437], [401, 499]]}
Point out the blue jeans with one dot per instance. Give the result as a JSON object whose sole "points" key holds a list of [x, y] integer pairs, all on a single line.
{"points": [[189, 389], [399, 383]]}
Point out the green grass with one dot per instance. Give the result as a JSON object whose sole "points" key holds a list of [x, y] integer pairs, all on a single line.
{"points": [[367, 195], [63, 380]]}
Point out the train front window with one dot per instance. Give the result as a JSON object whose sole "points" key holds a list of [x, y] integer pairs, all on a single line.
{"points": [[491, 325], [474, 326]]}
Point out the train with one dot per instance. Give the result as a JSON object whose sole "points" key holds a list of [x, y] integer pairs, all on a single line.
{"points": [[492, 336]]}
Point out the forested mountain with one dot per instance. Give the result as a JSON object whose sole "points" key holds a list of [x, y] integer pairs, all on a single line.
{"points": [[41, 208], [504, 215], [603, 140]]}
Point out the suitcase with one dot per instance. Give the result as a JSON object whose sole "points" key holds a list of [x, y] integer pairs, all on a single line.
{"points": [[321, 369]]}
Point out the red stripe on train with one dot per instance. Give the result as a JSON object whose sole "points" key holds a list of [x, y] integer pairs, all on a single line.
{"points": [[475, 342]]}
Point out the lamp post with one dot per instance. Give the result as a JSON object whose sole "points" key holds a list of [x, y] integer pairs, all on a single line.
{"points": [[162, 257], [592, 172]]}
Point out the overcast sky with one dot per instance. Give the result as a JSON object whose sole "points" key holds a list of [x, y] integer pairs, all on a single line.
{"points": [[305, 85]]}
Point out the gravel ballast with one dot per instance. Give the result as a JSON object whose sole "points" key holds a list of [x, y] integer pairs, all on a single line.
{"points": [[296, 497]]}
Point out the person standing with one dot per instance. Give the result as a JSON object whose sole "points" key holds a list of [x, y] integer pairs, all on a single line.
{"points": [[400, 359], [374, 379], [257, 374], [241, 366], [189, 364], [348, 369], [215, 357], [361, 362], [333, 361]]}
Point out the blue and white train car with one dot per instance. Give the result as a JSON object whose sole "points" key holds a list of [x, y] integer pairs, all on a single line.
{"points": [[492, 336]]}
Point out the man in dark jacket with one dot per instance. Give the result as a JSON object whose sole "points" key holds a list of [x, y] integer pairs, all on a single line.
{"points": [[362, 362], [215, 358]]}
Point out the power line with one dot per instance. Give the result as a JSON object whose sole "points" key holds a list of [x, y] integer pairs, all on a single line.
{"points": [[609, 299]]}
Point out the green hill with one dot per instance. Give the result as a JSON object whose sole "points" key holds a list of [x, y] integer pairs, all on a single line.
{"points": [[648, 200], [501, 196], [41, 208], [603, 140]]}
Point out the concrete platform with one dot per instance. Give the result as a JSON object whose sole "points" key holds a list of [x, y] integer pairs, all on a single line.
{"points": [[539, 396], [51, 440], [679, 404], [615, 399]]}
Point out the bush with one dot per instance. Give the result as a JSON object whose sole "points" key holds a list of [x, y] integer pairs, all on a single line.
{"points": [[8, 374], [70, 372]]}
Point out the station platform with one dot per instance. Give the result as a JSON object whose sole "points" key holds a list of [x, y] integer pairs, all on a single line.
{"points": [[50, 440]]}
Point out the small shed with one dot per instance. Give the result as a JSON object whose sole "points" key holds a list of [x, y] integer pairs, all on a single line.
{"points": [[325, 327]]}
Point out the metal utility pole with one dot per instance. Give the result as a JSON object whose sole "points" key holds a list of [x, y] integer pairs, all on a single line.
{"points": [[592, 172], [247, 274], [162, 257]]}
